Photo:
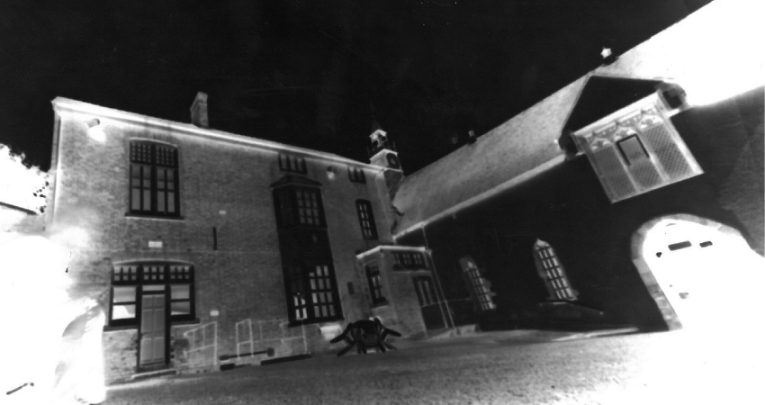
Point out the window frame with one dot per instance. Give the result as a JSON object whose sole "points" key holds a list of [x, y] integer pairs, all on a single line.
{"points": [[374, 281], [357, 175], [552, 272], [139, 277], [366, 219], [410, 260], [149, 159], [479, 290], [312, 297], [288, 207], [292, 163]]}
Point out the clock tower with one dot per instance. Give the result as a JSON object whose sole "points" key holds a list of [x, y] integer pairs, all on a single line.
{"points": [[382, 152]]}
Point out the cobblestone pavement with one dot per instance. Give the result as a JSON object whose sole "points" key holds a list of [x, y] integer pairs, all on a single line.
{"points": [[490, 368]]}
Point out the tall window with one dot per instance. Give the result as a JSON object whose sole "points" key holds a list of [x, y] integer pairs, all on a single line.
{"points": [[130, 280], [299, 206], [552, 272], [375, 285], [312, 293], [426, 294], [479, 287], [366, 219], [153, 179], [309, 278]]}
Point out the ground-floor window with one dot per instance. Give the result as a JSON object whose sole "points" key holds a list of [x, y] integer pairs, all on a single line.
{"points": [[426, 294], [479, 287], [552, 272], [131, 281], [375, 284], [312, 293]]}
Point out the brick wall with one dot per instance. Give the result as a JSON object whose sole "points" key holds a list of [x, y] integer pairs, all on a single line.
{"points": [[223, 184]]}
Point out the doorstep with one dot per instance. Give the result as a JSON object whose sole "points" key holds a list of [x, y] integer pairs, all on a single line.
{"points": [[152, 374]]}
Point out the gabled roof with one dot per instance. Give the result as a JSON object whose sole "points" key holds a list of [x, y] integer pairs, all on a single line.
{"points": [[602, 95]]}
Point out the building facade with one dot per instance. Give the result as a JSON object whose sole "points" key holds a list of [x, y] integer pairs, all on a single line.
{"points": [[205, 246], [616, 201]]}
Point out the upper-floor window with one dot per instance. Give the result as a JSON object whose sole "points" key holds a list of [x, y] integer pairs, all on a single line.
{"points": [[131, 280], [356, 175], [292, 163], [552, 272], [154, 179], [375, 284], [409, 260], [366, 219], [479, 287], [299, 206]]}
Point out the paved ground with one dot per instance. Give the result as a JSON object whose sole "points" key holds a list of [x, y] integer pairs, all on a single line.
{"points": [[494, 368]]}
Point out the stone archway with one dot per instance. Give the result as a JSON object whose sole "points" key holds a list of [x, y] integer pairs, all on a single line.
{"points": [[698, 271]]}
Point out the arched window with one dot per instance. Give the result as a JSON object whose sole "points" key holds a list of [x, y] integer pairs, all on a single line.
{"points": [[552, 272]]}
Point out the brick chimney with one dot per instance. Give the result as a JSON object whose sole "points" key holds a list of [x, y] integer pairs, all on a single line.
{"points": [[199, 111]]}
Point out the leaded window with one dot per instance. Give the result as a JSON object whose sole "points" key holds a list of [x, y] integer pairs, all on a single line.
{"points": [[154, 179], [312, 293]]}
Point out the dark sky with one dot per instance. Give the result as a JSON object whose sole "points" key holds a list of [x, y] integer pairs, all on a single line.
{"points": [[318, 74]]}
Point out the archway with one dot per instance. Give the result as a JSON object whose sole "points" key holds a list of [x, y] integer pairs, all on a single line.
{"points": [[701, 273]]}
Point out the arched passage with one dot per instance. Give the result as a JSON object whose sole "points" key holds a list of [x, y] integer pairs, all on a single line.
{"points": [[701, 273]]}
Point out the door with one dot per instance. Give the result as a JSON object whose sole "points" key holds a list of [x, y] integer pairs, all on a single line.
{"points": [[706, 275], [431, 310], [153, 331]]}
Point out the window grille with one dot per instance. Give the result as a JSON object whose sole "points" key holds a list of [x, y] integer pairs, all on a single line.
{"points": [[154, 179], [552, 272], [366, 219]]}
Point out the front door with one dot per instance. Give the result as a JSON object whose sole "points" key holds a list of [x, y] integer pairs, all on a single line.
{"points": [[432, 313], [153, 332]]}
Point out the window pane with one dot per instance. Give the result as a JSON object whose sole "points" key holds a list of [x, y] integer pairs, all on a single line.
{"points": [[123, 311], [135, 198], [123, 294], [160, 201], [154, 287], [180, 308]]}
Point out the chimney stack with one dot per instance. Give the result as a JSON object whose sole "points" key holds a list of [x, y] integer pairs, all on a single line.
{"points": [[199, 111]]}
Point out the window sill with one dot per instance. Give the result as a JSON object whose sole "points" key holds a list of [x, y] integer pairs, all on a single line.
{"points": [[110, 328], [152, 216], [316, 321], [180, 322]]}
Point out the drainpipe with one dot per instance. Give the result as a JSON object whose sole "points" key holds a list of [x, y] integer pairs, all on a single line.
{"points": [[446, 315]]}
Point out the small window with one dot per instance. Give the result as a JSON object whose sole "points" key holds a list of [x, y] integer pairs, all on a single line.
{"points": [[366, 219], [292, 163], [409, 260], [356, 175], [552, 272], [375, 285], [632, 149], [154, 179]]}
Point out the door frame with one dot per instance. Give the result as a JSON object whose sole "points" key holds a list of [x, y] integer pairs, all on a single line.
{"points": [[637, 242], [166, 360]]}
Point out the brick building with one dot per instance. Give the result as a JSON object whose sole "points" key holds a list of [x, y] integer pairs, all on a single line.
{"points": [[203, 244], [575, 213]]}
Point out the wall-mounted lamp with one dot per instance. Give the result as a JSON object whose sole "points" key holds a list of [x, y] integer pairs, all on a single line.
{"points": [[96, 130], [331, 173]]}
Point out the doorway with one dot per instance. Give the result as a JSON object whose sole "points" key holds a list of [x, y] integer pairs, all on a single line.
{"points": [[429, 305], [699, 272], [153, 332]]}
